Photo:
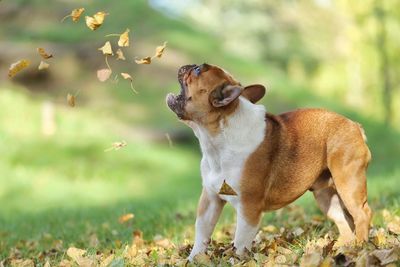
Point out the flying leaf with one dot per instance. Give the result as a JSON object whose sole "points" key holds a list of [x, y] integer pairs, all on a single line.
{"points": [[104, 74], [96, 21], [116, 146], [106, 49], [71, 100], [126, 217], [160, 50], [17, 67], [75, 14], [43, 65], [124, 39], [146, 60], [226, 190], [43, 53], [120, 55], [126, 76]]}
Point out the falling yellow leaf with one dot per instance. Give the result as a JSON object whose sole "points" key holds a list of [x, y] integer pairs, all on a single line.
{"points": [[104, 74], [226, 190], [43, 53], [120, 55], [71, 100], [160, 50], [106, 49], [96, 21], [126, 76], [43, 65], [17, 67], [146, 60], [126, 217], [124, 39], [75, 14], [116, 146]]}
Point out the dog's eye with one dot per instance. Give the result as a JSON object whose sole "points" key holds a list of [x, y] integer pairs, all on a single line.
{"points": [[189, 98], [197, 70]]}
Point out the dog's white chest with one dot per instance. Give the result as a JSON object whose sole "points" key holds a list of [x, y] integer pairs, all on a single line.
{"points": [[225, 154]]}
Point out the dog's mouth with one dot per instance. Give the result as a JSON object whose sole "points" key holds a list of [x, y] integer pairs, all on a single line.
{"points": [[177, 102]]}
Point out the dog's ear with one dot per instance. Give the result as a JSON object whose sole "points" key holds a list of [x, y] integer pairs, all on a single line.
{"points": [[223, 95], [254, 92]]}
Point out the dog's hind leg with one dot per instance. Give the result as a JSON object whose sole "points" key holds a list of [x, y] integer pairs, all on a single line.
{"points": [[348, 168], [332, 206]]}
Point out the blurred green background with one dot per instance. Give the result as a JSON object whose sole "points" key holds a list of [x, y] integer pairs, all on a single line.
{"points": [[59, 188]]}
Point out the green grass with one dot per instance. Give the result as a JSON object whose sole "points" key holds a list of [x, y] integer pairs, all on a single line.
{"points": [[65, 188]]}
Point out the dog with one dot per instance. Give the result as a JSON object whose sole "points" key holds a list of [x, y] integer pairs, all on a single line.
{"points": [[267, 160]]}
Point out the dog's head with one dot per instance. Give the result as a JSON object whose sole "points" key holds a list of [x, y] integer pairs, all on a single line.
{"points": [[208, 90]]}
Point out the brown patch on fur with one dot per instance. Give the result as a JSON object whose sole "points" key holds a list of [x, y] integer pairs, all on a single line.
{"points": [[298, 147], [199, 89]]}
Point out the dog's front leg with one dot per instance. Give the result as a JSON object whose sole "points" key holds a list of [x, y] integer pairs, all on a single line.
{"points": [[209, 209], [246, 230]]}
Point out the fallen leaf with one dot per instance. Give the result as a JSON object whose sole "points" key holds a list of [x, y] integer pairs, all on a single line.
{"points": [[202, 259], [96, 21], [17, 67], [43, 53], [43, 65], [124, 39], [226, 190], [104, 74], [379, 237], [146, 60], [106, 262], [310, 260], [120, 55], [116, 146], [71, 100], [160, 50], [106, 49], [75, 14], [75, 253], [386, 256], [392, 222], [126, 217]]}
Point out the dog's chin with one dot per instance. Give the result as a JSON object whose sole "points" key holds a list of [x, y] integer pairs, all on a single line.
{"points": [[174, 104]]}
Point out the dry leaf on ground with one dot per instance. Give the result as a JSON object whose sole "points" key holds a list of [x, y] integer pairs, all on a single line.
{"points": [[17, 67], [146, 60], [126, 217]]}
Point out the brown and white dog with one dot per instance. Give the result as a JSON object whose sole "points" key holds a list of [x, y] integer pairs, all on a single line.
{"points": [[270, 160]]}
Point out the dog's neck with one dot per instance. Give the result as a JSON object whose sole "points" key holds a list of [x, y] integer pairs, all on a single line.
{"points": [[242, 130]]}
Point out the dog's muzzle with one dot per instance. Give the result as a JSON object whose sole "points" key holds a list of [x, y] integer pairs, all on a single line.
{"points": [[177, 102]]}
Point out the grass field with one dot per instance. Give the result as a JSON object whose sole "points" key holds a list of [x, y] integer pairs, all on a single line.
{"points": [[65, 191]]}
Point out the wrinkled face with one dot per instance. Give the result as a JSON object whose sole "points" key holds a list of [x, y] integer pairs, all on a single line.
{"points": [[203, 88]]}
